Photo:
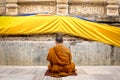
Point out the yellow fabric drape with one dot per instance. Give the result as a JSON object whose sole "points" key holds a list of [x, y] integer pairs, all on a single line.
{"points": [[65, 24]]}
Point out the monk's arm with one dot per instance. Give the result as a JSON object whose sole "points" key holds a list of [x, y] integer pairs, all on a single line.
{"points": [[48, 56], [70, 55]]}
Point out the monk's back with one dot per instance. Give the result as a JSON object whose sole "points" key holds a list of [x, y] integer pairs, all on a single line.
{"points": [[60, 55]]}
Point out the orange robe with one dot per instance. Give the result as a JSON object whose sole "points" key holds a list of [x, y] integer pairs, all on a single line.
{"points": [[60, 61]]}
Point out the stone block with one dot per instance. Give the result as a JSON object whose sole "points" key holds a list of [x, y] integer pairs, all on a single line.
{"points": [[11, 11], [11, 7], [116, 56], [91, 53], [112, 10]]}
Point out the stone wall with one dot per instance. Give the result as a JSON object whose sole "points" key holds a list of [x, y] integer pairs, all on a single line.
{"points": [[62, 7], [33, 51]]}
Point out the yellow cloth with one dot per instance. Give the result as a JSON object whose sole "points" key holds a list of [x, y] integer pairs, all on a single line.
{"points": [[60, 61], [52, 24]]}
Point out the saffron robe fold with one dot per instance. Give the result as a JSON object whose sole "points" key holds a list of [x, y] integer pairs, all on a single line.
{"points": [[60, 61]]}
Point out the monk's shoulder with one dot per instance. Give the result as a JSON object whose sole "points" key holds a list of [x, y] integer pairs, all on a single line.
{"points": [[67, 49], [51, 49]]}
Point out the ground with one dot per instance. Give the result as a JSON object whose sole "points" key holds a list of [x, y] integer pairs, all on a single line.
{"points": [[37, 73]]}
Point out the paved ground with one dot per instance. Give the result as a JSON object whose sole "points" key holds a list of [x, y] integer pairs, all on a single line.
{"points": [[37, 73]]}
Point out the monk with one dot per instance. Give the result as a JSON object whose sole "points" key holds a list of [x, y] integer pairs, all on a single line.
{"points": [[60, 59]]}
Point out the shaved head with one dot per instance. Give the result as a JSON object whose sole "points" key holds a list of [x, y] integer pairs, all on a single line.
{"points": [[59, 39]]}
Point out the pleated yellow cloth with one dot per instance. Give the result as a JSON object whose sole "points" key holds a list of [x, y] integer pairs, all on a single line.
{"points": [[65, 24]]}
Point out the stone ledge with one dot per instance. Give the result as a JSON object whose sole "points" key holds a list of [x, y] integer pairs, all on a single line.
{"points": [[62, 1], [87, 2], [52, 3], [11, 1], [34, 0], [11, 5], [112, 6], [62, 6]]}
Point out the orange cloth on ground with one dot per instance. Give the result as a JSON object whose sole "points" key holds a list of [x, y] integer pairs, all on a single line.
{"points": [[60, 61]]}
